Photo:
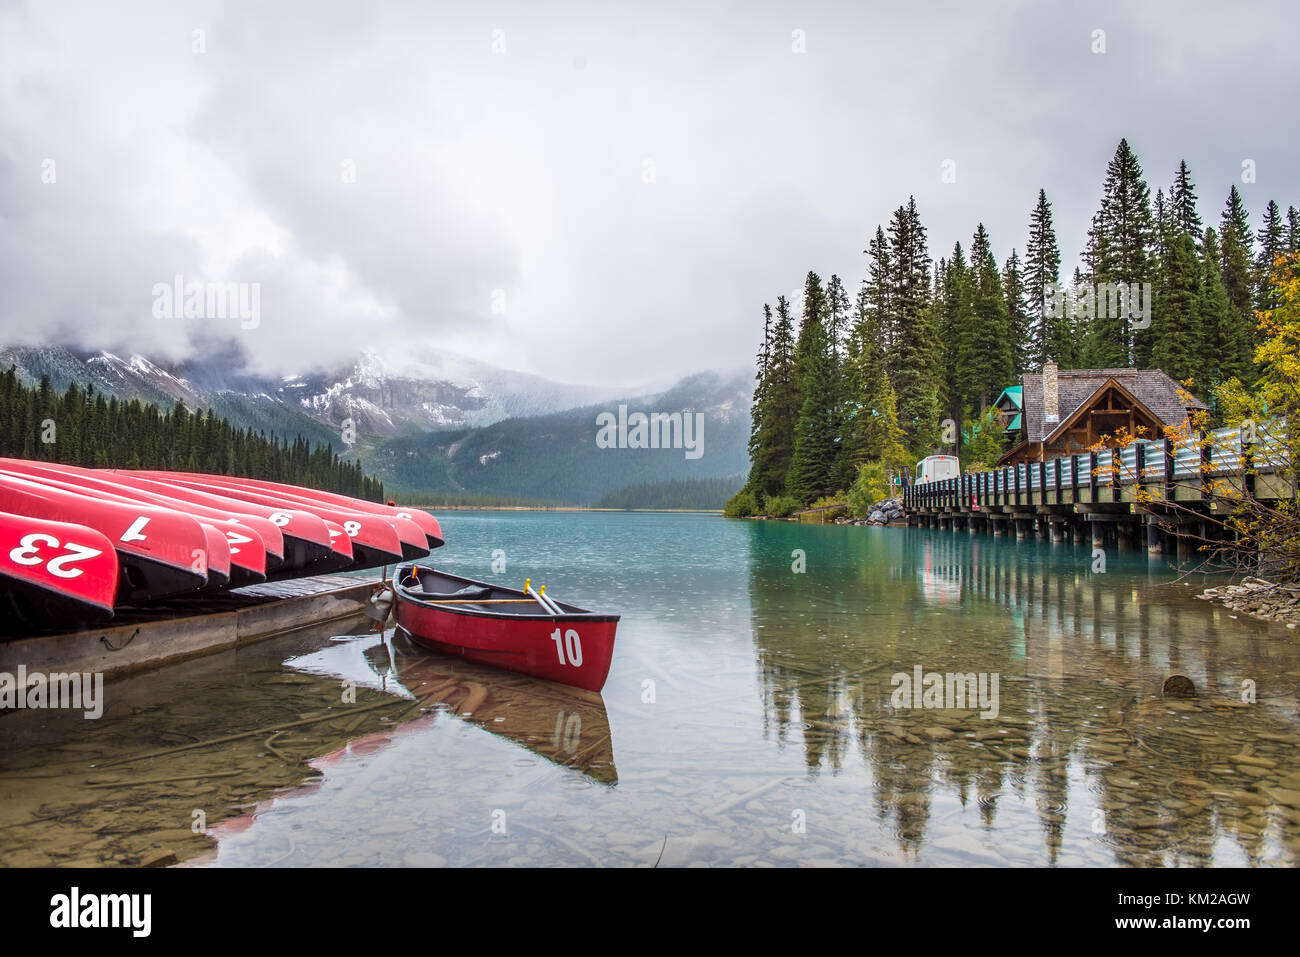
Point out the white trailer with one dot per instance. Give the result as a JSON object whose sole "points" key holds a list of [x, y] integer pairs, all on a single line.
{"points": [[935, 468]]}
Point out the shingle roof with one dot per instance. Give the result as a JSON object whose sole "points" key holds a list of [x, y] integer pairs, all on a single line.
{"points": [[1153, 388]]}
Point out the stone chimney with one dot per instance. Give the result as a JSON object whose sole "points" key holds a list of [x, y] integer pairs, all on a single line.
{"points": [[1051, 395]]}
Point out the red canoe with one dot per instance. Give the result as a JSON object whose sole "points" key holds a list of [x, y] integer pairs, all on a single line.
{"points": [[375, 539], [54, 572], [248, 552], [162, 552], [504, 627], [270, 534], [427, 523], [310, 545]]}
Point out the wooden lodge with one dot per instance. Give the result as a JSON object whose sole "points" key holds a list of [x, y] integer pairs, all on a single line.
{"points": [[1067, 412]]}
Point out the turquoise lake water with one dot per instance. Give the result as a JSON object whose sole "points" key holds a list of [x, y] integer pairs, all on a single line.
{"points": [[752, 715]]}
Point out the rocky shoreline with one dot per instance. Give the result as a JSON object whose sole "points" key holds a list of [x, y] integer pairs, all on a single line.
{"points": [[1259, 599], [888, 511]]}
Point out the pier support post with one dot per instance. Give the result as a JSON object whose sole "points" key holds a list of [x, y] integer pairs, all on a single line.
{"points": [[1155, 542], [1080, 533], [1124, 537], [1058, 532], [1098, 534]]}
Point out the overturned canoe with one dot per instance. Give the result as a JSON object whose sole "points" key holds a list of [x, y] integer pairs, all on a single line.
{"points": [[504, 627], [169, 536], [52, 572]]}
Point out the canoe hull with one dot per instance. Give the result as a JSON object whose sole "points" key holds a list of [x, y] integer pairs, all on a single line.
{"points": [[574, 648]]}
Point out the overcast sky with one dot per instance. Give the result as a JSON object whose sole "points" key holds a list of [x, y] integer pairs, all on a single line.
{"points": [[602, 193]]}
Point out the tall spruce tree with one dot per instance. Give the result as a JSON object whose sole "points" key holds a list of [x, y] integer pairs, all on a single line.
{"points": [[812, 465], [1164, 228], [1182, 203], [1119, 251], [1051, 333], [992, 362], [864, 366], [1013, 285], [1175, 321], [955, 316], [1272, 243], [1236, 260], [1226, 343], [915, 350], [770, 463], [837, 327], [760, 393], [877, 287]]}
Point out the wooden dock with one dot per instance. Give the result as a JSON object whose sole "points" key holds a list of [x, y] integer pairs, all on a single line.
{"points": [[1160, 495], [140, 638]]}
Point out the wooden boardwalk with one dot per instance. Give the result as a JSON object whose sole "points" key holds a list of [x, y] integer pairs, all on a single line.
{"points": [[1145, 493]]}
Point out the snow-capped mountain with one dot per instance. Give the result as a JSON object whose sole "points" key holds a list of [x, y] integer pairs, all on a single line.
{"points": [[432, 392], [383, 398]]}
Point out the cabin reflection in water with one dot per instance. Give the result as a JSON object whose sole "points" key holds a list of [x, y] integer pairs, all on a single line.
{"points": [[1082, 738]]}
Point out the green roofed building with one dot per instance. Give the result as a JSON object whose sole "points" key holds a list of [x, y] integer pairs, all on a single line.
{"points": [[1011, 406]]}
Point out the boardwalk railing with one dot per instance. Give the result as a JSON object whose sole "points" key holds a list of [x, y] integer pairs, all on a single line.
{"points": [[1146, 470]]}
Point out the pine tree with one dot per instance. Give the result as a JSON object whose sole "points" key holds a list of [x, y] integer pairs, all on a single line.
{"points": [[1052, 337], [771, 459], [864, 365], [915, 349], [812, 465], [837, 315], [1175, 321], [1292, 230], [837, 327], [1236, 262], [956, 321], [1018, 316], [1164, 229], [1227, 345], [1182, 203], [1119, 251], [760, 393], [877, 289], [812, 327], [992, 363], [1272, 243]]}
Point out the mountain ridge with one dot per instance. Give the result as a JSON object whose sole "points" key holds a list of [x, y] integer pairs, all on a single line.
{"points": [[466, 427]]}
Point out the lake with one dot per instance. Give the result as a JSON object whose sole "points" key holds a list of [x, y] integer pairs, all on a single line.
{"points": [[759, 711]]}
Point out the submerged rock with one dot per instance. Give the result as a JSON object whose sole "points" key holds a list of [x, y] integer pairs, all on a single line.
{"points": [[1178, 686]]}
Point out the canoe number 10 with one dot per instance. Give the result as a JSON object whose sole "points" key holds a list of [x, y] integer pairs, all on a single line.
{"points": [[569, 644]]}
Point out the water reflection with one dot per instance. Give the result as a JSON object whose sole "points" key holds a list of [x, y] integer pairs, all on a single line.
{"points": [[181, 750], [567, 726], [1082, 736], [752, 707]]}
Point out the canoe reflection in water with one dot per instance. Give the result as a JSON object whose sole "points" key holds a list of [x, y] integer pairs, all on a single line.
{"points": [[565, 725]]}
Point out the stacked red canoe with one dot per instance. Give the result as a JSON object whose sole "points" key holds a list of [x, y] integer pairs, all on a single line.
{"points": [[76, 543]]}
